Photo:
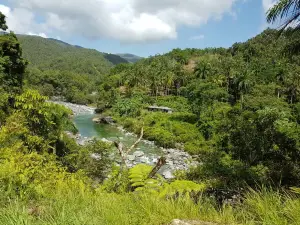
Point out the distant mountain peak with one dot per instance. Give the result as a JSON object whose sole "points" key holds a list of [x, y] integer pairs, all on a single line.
{"points": [[130, 57]]}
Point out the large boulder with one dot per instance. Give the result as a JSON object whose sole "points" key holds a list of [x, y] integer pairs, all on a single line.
{"points": [[104, 120]]}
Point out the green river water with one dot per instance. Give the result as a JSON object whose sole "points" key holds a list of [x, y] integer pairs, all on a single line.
{"points": [[87, 128]]}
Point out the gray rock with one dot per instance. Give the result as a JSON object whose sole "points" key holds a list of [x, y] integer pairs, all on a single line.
{"points": [[138, 154], [168, 175], [76, 109], [144, 159], [131, 157], [170, 163]]}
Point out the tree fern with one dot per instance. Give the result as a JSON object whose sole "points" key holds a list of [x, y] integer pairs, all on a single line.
{"points": [[138, 176], [140, 181], [181, 187], [295, 190]]}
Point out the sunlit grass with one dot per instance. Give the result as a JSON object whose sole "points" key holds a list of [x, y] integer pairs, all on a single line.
{"points": [[265, 207]]}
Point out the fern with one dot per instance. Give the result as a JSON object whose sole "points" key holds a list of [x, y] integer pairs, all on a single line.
{"points": [[295, 190], [138, 176], [139, 180], [181, 187]]}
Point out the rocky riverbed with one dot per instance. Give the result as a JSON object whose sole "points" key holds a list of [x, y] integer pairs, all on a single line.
{"points": [[77, 109], [175, 159]]}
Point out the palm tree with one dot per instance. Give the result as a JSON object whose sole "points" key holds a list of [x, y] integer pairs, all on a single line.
{"points": [[288, 9], [202, 69], [168, 81], [242, 86]]}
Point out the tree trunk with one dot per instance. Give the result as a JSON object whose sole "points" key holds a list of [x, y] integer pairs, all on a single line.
{"points": [[159, 164]]}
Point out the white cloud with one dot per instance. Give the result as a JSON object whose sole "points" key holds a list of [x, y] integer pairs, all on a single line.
{"points": [[197, 37], [39, 34], [22, 21], [124, 20]]}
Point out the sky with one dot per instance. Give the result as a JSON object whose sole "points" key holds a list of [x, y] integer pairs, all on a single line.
{"points": [[141, 27]]}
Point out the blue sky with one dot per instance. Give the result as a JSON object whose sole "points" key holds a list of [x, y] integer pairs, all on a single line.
{"points": [[158, 28]]}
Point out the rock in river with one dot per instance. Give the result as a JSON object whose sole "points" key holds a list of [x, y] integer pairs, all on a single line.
{"points": [[104, 120], [131, 157], [138, 154], [168, 175]]}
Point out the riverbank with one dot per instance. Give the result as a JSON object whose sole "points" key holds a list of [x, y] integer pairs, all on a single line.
{"points": [[146, 152], [77, 109]]}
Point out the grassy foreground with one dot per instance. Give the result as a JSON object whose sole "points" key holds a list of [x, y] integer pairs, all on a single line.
{"points": [[77, 208]]}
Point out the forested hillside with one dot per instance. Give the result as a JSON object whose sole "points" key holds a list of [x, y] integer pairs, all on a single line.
{"points": [[130, 57], [57, 68], [52, 53], [236, 109]]}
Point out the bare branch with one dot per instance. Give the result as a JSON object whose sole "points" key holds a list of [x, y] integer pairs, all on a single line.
{"points": [[120, 147], [124, 151], [159, 164], [136, 143]]}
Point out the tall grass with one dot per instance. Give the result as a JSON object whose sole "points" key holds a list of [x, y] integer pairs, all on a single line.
{"points": [[73, 208]]}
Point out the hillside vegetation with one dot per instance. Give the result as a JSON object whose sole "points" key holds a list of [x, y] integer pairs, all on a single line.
{"points": [[236, 110], [130, 57], [51, 53], [60, 69]]}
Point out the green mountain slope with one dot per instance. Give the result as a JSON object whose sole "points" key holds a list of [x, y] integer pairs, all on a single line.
{"points": [[238, 109], [54, 54], [130, 57]]}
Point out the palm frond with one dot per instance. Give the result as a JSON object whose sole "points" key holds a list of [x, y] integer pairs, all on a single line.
{"points": [[286, 10]]}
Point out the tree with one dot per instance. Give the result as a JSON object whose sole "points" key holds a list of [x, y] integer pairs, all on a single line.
{"points": [[288, 9], [203, 69], [243, 85], [12, 64], [3, 25], [267, 137], [43, 119]]}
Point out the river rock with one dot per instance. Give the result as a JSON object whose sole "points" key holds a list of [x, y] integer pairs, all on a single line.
{"points": [[76, 109], [108, 120], [138, 154], [168, 175], [131, 157], [106, 140], [144, 159]]}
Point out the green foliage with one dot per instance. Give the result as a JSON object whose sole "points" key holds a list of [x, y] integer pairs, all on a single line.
{"points": [[282, 9], [93, 159], [182, 187], [12, 64], [3, 25], [118, 181], [59, 69], [268, 137], [140, 181], [236, 108], [52, 54], [44, 119], [128, 107]]}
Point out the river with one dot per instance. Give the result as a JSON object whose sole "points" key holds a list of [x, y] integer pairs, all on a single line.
{"points": [[146, 152], [90, 129]]}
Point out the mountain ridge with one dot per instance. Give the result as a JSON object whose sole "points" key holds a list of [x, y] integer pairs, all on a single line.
{"points": [[37, 40], [130, 57]]}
